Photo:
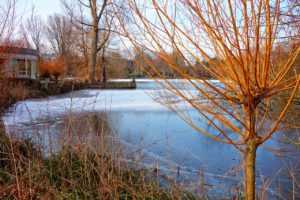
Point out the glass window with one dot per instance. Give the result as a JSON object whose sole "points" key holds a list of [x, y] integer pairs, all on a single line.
{"points": [[29, 67], [21, 67]]}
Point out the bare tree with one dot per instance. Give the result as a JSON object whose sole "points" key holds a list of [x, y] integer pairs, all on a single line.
{"points": [[7, 19], [60, 36], [117, 65], [82, 46], [7, 28], [32, 31], [237, 38], [101, 15]]}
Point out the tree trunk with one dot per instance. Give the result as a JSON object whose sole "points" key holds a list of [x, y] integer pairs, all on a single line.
{"points": [[250, 158], [93, 56], [103, 66]]}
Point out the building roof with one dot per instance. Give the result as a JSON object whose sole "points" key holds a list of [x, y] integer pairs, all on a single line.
{"points": [[18, 50]]}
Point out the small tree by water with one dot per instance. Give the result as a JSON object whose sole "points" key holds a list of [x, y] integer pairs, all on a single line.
{"points": [[237, 38]]}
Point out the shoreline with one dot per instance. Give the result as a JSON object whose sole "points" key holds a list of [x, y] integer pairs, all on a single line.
{"points": [[20, 89]]}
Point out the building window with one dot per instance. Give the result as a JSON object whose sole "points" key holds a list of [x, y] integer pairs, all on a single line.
{"points": [[29, 68], [21, 67]]}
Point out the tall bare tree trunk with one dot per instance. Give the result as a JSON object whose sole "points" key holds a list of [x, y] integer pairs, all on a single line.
{"points": [[93, 56], [250, 158]]}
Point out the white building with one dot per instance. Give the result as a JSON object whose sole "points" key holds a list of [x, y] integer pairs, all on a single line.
{"points": [[19, 62]]}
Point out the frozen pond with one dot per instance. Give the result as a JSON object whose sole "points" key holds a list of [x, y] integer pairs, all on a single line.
{"points": [[151, 134]]}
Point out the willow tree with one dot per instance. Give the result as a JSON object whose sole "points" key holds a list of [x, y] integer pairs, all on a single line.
{"points": [[236, 39]]}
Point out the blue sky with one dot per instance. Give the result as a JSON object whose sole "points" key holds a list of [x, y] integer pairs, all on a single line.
{"points": [[42, 7]]}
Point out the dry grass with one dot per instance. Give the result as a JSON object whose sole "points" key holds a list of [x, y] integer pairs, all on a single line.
{"points": [[76, 173], [10, 93], [13, 90], [73, 175]]}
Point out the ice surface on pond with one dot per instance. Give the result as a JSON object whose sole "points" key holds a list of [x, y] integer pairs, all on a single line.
{"points": [[142, 99], [84, 100]]}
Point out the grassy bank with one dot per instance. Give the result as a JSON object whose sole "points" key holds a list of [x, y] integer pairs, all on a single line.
{"points": [[76, 172], [13, 90]]}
